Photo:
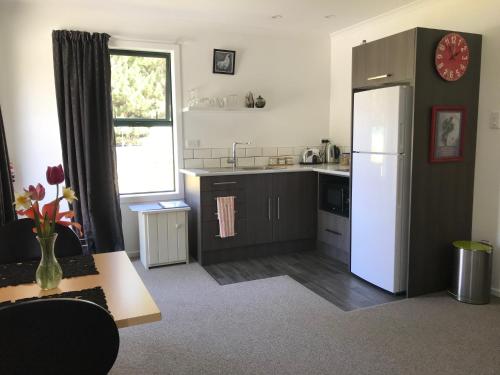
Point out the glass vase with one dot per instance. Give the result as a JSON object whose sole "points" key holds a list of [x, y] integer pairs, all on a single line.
{"points": [[49, 272]]}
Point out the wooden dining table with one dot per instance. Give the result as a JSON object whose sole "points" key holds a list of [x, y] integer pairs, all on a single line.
{"points": [[128, 299]]}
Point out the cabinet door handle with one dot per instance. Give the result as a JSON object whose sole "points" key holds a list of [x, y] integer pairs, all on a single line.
{"points": [[333, 232], [225, 183], [269, 208], [278, 207], [342, 198], [387, 75]]}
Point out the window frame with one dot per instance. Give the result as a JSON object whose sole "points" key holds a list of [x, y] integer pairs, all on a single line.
{"points": [[136, 122], [174, 49]]}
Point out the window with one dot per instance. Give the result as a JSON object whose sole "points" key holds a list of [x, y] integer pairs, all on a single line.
{"points": [[141, 89]]}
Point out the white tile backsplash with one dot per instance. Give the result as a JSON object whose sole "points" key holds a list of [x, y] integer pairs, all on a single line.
{"points": [[247, 157], [202, 153], [240, 153], [269, 151], [285, 151], [246, 162], [224, 163], [211, 163], [193, 163], [299, 150], [261, 161], [254, 151], [220, 152]]}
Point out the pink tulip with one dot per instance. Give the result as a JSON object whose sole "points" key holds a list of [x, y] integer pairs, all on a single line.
{"points": [[37, 193], [55, 175]]}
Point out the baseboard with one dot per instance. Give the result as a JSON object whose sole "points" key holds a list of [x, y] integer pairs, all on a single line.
{"points": [[495, 292]]}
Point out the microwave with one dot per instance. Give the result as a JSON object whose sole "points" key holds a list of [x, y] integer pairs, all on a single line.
{"points": [[334, 194]]}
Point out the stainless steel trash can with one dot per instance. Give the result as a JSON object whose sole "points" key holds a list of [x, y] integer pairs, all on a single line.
{"points": [[471, 272]]}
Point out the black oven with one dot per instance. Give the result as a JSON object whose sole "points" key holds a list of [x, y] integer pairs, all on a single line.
{"points": [[334, 194]]}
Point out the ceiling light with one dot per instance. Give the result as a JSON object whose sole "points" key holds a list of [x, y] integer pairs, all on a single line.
{"points": [[276, 16], [329, 16]]}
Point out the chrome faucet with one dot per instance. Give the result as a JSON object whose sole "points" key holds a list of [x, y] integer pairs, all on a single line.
{"points": [[234, 159]]}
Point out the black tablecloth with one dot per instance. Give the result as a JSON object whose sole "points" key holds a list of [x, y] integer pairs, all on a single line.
{"points": [[13, 274]]}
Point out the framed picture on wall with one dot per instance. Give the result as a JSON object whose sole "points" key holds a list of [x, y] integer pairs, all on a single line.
{"points": [[224, 61], [447, 134]]}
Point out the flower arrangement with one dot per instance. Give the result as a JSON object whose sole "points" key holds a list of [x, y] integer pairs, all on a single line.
{"points": [[28, 204]]}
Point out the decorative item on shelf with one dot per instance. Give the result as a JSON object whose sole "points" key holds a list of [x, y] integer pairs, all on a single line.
{"points": [[249, 102], [224, 61], [447, 134], [260, 102], [452, 57], [48, 273]]}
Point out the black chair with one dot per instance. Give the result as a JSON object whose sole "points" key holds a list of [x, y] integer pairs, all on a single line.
{"points": [[57, 336], [18, 242]]}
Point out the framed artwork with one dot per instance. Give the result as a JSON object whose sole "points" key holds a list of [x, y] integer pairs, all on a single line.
{"points": [[224, 61], [447, 134]]}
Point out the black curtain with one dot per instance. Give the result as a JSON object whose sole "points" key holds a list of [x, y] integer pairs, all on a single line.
{"points": [[7, 213], [82, 72]]}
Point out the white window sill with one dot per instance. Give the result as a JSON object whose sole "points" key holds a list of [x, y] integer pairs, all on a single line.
{"points": [[150, 197]]}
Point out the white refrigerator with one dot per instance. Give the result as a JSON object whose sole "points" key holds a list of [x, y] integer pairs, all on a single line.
{"points": [[381, 152]]}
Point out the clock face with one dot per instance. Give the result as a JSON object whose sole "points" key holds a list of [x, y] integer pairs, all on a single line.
{"points": [[452, 57]]}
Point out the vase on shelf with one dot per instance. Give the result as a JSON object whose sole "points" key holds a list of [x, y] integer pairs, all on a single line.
{"points": [[260, 102], [49, 272]]}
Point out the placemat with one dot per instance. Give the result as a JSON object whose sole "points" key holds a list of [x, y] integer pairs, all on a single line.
{"points": [[13, 274], [95, 295]]}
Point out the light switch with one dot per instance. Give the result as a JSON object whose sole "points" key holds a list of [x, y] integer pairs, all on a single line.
{"points": [[495, 120]]}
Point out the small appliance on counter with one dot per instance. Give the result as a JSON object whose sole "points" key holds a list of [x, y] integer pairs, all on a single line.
{"points": [[330, 153], [311, 156]]}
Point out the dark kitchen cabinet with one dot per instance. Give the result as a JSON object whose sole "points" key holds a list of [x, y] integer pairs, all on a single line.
{"points": [[296, 205], [385, 61], [275, 212], [261, 205]]}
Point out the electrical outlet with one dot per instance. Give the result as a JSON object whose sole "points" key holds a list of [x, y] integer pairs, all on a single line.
{"points": [[495, 120], [192, 143]]}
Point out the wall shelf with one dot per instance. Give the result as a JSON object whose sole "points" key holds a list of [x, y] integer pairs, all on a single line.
{"points": [[215, 110]]}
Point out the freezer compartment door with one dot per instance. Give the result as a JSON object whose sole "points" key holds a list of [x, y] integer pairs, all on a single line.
{"points": [[381, 120], [376, 220]]}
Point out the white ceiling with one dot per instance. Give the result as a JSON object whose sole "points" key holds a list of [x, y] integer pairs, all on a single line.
{"points": [[299, 16]]}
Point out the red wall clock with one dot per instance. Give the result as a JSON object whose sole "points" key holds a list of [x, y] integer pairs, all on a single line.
{"points": [[452, 57]]}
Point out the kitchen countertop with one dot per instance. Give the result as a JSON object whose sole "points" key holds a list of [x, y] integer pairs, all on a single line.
{"points": [[332, 169]]}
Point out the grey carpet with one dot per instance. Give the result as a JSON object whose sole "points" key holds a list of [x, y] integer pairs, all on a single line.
{"points": [[277, 326]]}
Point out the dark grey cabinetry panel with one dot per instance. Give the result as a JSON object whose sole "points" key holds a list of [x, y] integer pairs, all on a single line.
{"points": [[385, 61], [260, 213], [275, 213], [296, 205]]}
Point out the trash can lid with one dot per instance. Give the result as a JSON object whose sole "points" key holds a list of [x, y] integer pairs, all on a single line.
{"points": [[472, 246]]}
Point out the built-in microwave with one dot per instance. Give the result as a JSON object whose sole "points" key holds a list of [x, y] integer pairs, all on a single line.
{"points": [[334, 194]]}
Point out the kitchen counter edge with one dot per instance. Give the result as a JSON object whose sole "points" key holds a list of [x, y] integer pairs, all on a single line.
{"points": [[331, 169]]}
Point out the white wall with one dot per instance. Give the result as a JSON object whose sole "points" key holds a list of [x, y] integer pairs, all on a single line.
{"points": [[480, 16], [291, 72]]}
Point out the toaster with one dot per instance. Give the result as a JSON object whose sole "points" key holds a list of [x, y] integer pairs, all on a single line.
{"points": [[311, 156]]}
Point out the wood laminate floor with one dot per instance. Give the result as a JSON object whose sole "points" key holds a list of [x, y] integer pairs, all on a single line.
{"points": [[315, 270]]}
